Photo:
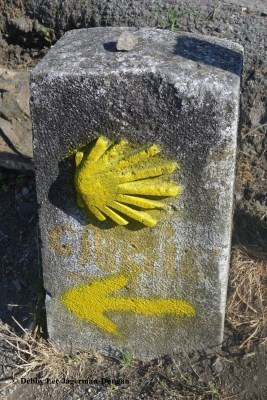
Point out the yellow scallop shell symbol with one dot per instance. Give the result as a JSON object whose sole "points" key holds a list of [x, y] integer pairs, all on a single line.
{"points": [[118, 181]]}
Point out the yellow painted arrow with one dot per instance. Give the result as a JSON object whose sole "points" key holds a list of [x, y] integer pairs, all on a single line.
{"points": [[91, 301]]}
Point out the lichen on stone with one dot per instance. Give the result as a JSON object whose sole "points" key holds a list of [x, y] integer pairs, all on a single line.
{"points": [[118, 181]]}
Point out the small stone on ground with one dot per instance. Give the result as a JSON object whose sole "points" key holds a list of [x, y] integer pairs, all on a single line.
{"points": [[126, 41]]}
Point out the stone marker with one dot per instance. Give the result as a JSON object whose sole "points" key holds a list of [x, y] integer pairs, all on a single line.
{"points": [[135, 160]]}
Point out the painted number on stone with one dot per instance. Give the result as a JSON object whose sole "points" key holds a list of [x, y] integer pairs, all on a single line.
{"points": [[116, 248]]}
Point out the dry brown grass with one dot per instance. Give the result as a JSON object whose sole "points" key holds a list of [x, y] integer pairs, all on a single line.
{"points": [[40, 359], [247, 300], [244, 173], [36, 356]]}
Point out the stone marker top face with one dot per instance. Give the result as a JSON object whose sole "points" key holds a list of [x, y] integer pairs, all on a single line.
{"points": [[88, 51]]}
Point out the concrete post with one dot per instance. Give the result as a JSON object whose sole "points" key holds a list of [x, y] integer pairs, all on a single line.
{"points": [[135, 160]]}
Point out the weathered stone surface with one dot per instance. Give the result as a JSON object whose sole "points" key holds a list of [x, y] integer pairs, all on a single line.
{"points": [[181, 92], [126, 41], [15, 121], [79, 13]]}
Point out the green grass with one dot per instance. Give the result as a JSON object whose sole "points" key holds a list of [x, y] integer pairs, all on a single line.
{"points": [[172, 18], [34, 277], [126, 357]]}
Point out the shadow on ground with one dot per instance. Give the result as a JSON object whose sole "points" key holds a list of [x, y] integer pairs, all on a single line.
{"points": [[21, 286], [249, 230]]}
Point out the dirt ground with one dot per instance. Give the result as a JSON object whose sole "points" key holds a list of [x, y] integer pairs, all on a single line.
{"points": [[239, 369]]}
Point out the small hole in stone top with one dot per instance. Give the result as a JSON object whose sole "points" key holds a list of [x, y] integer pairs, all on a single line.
{"points": [[110, 46]]}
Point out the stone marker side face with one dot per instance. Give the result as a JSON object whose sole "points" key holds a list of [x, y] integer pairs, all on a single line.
{"points": [[179, 92]]}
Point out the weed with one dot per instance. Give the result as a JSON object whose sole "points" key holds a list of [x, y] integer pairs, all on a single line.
{"points": [[34, 277], [48, 35], [173, 16], [226, 33], [172, 20], [112, 387], [162, 25], [215, 395], [126, 357]]}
